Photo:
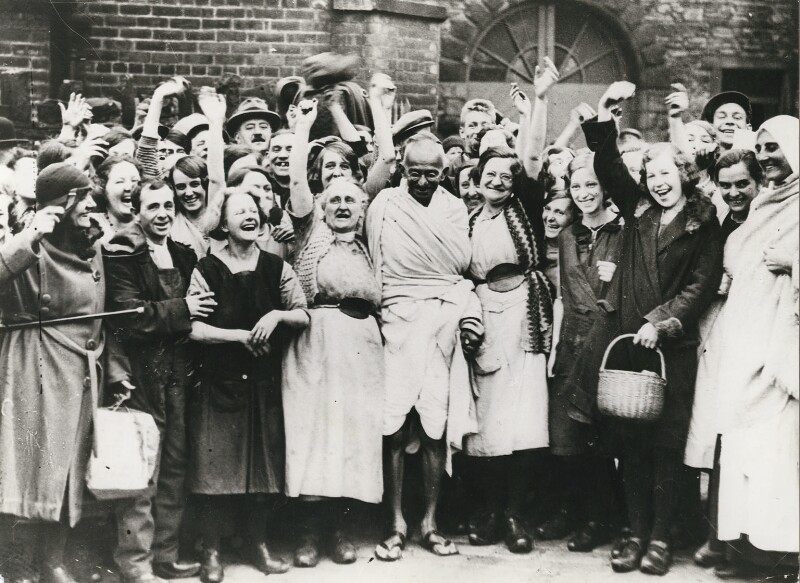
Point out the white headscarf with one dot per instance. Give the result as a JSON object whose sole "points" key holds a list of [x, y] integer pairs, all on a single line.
{"points": [[786, 131]]}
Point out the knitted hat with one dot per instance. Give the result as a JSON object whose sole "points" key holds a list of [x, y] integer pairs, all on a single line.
{"points": [[54, 183], [453, 142]]}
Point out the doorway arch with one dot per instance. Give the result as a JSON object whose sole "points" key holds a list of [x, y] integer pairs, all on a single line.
{"points": [[485, 50]]}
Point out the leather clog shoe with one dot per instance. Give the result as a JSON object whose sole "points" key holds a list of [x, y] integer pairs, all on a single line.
{"points": [[588, 538], [657, 559], [265, 563], [517, 540], [307, 553], [343, 552], [707, 557], [630, 556], [555, 528], [211, 570], [176, 569]]}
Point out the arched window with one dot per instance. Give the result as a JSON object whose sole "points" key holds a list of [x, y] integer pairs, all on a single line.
{"points": [[583, 49], [588, 49]]}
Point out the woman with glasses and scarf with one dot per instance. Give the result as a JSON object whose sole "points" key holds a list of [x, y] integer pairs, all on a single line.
{"points": [[509, 371]]}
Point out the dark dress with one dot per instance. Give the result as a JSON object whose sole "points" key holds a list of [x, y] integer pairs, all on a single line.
{"points": [[580, 288], [235, 419], [666, 277]]}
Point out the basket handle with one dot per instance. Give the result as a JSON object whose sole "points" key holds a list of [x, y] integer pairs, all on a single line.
{"points": [[620, 337]]}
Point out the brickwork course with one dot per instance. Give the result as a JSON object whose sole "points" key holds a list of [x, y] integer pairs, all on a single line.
{"points": [[428, 47]]}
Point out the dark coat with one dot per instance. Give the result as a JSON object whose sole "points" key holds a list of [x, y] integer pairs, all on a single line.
{"points": [[154, 340], [667, 279]]}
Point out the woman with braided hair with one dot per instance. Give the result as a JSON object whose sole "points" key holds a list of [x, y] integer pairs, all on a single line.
{"points": [[509, 379]]}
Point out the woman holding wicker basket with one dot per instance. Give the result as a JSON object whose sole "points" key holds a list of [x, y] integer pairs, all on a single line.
{"points": [[669, 269]]}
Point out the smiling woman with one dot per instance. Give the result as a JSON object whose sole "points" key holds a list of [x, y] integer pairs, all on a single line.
{"points": [[510, 380], [669, 268], [118, 177]]}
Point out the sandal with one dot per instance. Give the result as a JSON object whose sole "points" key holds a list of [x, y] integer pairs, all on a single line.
{"points": [[392, 548], [435, 542]]}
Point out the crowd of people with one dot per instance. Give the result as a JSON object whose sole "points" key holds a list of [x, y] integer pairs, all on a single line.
{"points": [[322, 293]]}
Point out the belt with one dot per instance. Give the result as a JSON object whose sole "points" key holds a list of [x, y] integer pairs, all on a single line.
{"points": [[357, 308], [504, 277]]}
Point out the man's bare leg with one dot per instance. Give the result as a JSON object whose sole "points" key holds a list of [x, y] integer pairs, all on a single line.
{"points": [[395, 450], [394, 461], [434, 460]]}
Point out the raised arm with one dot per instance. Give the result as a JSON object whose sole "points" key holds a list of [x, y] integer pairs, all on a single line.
{"points": [[382, 92], [73, 116], [579, 114], [300, 192], [147, 153], [546, 77], [524, 108], [677, 102], [20, 252], [214, 106], [347, 131], [601, 138]]}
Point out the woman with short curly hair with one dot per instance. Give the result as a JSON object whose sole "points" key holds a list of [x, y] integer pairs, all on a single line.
{"points": [[669, 269]]}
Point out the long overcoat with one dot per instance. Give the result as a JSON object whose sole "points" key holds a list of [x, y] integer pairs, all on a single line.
{"points": [[666, 277], [50, 377]]}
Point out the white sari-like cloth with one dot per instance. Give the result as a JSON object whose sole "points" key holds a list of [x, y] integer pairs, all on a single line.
{"points": [[419, 254], [760, 455]]}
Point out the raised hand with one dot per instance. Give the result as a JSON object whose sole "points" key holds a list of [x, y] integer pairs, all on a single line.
{"points": [[333, 98], [581, 112], [173, 86], [141, 111], [291, 117], [86, 150], [545, 77], [212, 104], [678, 101], [306, 113], [521, 102], [43, 223], [616, 93], [76, 112], [201, 305], [382, 87]]}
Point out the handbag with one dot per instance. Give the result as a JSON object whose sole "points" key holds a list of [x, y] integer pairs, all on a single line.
{"points": [[124, 459]]}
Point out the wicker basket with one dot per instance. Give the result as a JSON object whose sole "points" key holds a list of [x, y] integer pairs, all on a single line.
{"points": [[628, 394]]}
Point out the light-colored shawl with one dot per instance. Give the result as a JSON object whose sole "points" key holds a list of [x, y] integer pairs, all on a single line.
{"points": [[760, 360]]}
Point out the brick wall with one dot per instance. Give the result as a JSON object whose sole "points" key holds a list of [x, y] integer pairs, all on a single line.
{"points": [[205, 40], [263, 40], [24, 46], [202, 40], [401, 46]]}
